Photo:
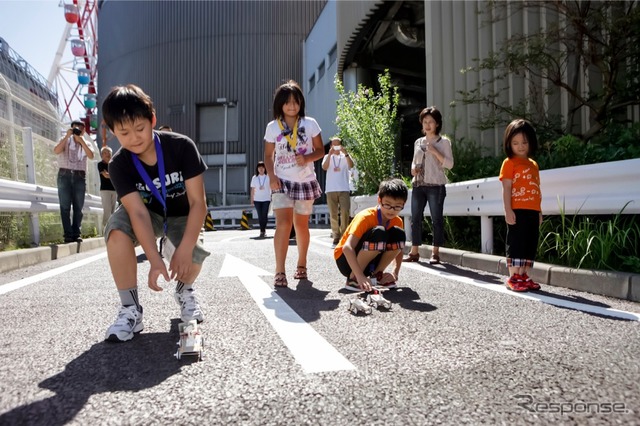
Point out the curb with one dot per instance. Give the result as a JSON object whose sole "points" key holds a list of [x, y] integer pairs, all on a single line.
{"points": [[620, 285], [22, 258]]}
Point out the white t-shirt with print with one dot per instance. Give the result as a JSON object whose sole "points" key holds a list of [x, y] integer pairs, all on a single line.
{"points": [[263, 190], [285, 162]]}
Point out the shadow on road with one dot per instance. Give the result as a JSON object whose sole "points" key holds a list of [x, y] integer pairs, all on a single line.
{"points": [[132, 366], [409, 299], [306, 300]]}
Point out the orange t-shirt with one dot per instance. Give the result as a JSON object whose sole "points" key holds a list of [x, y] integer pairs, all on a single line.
{"points": [[525, 182], [361, 223]]}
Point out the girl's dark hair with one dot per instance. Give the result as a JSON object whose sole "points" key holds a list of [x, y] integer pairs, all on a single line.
{"points": [[394, 188], [261, 164], [435, 113], [520, 125], [290, 88], [126, 104]]}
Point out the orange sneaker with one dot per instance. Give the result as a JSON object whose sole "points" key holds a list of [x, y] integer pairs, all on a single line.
{"points": [[531, 285], [515, 283]]}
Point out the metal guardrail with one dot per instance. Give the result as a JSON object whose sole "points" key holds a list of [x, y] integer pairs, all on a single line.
{"points": [[604, 188], [30, 198], [229, 217]]}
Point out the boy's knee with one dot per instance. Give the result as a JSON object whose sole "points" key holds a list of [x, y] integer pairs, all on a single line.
{"points": [[397, 234], [377, 234], [117, 237]]}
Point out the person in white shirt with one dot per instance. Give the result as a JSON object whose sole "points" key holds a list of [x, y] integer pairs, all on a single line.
{"points": [[72, 151], [261, 196], [337, 163]]}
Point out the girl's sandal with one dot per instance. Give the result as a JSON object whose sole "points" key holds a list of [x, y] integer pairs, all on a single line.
{"points": [[301, 273], [280, 280]]}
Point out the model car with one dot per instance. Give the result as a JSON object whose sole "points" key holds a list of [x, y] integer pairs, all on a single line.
{"points": [[376, 300], [359, 304], [191, 341]]}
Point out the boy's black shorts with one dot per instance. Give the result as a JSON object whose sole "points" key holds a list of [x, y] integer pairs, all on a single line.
{"points": [[375, 239]]}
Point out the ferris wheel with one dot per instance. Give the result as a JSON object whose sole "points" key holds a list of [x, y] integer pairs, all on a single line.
{"points": [[74, 71]]}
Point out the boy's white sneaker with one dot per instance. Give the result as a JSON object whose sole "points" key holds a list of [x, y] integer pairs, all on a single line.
{"points": [[128, 322], [190, 308]]}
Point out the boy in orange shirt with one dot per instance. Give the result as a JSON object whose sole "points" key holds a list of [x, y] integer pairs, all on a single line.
{"points": [[373, 240]]}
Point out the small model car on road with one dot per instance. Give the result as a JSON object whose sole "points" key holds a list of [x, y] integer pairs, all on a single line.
{"points": [[191, 341]]}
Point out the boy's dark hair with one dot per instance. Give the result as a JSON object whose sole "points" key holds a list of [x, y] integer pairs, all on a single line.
{"points": [[261, 164], [126, 104], [290, 88], [520, 125], [435, 113], [77, 123], [394, 188]]}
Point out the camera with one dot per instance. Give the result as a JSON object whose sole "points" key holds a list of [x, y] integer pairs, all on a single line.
{"points": [[77, 131]]}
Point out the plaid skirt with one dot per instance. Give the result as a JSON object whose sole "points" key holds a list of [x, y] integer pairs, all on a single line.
{"points": [[300, 190]]}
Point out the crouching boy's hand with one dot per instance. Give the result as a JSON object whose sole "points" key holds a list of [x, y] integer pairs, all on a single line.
{"points": [[181, 262], [157, 268]]}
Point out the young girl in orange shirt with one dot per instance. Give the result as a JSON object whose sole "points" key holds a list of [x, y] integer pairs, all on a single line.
{"points": [[520, 177]]}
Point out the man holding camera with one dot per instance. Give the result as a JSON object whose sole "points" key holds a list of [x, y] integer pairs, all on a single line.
{"points": [[337, 164], [73, 151]]}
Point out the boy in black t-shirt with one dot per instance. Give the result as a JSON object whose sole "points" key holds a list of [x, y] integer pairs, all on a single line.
{"points": [[158, 177]]}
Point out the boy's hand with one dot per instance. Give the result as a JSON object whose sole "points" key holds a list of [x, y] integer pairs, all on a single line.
{"points": [[181, 262], [365, 284], [157, 268]]}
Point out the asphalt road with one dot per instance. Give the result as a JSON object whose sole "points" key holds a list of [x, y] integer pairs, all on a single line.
{"points": [[456, 348]]}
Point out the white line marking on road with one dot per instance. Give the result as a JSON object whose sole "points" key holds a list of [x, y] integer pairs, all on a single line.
{"points": [[6, 288], [500, 288], [309, 348]]}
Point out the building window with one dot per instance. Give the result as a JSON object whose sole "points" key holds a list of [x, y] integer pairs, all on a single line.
{"points": [[312, 82], [333, 54], [320, 70]]}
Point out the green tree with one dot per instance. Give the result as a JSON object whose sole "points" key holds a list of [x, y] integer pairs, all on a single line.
{"points": [[367, 124], [599, 39]]}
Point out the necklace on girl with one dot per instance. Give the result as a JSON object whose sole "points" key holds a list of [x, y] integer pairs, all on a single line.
{"points": [[261, 182]]}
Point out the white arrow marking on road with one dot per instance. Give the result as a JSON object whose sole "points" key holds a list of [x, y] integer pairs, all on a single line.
{"points": [[309, 348], [6, 288]]}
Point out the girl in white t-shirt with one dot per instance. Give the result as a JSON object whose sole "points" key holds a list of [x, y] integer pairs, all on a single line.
{"points": [[292, 143], [261, 196]]}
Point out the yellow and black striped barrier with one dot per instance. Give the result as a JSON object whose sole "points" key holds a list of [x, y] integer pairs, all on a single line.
{"points": [[208, 223], [244, 222]]}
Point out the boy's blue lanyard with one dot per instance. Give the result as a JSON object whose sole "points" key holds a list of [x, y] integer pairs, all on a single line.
{"points": [[379, 213], [147, 180]]}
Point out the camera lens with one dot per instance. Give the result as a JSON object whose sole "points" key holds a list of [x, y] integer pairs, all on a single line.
{"points": [[77, 131]]}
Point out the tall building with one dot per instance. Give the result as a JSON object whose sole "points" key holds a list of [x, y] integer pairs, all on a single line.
{"points": [[211, 68]]}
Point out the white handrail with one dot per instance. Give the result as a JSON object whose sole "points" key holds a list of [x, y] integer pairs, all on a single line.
{"points": [[604, 188]]}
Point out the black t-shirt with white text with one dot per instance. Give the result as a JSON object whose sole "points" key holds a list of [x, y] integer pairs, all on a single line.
{"points": [[182, 161]]}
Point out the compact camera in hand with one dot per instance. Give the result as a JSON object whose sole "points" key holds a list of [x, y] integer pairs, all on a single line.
{"points": [[76, 131]]}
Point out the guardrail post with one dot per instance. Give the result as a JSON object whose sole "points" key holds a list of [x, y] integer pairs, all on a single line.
{"points": [[486, 234], [407, 227], [29, 163]]}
